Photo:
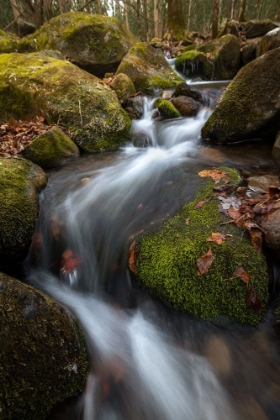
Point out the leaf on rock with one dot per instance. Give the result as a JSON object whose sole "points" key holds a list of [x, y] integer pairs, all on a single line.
{"points": [[204, 263], [215, 174], [131, 257], [256, 234], [253, 301], [216, 237], [241, 274], [201, 203]]}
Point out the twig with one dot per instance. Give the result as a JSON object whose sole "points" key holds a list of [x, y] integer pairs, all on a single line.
{"points": [[80, 112]]}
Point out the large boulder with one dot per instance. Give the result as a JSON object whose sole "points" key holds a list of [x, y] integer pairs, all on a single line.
{"points": [[269, 42], [20, 182], [93, 42], [257, 28], [148, 69], [50, 149], [43, 353], [172, 263], [8, 42], [218, 59], [250, 107], [42, 84]]}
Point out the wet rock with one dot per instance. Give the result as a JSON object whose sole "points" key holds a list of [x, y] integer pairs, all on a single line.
{"points": [[135, 107], [195, 64], [257, 28], [95, 43], [50, 149], [185, 90], [253, 99], [148, 69], [248, 53], [123, 87], [187, 107], [270, 222], [20, 183], [141, 139], [167, 109], [43, 353], [218, 354], [167, 94], [268, 42], [276, 149], [60, 91]]}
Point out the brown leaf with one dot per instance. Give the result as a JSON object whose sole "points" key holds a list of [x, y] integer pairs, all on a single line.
{"points": [[241, 274], [201, 203], [225, 188], [253, 301], [69, 261], [187, 221], [216, 237], [215, 174], [204, 263], [131, 257], [256, 234]]}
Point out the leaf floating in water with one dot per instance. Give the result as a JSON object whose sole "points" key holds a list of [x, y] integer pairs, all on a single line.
{"points": [[131, 257], [204, 263], [241, 274], [216, 237], [253, 301], [215, 174]]}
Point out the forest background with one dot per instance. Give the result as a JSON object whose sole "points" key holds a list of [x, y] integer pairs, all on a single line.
{"points": [[147, 19]]}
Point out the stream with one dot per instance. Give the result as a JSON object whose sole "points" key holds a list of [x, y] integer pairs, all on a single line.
{"points": [[148, 362]]}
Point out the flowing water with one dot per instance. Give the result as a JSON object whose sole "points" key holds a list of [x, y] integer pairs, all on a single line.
{"points": [[147, 362]]}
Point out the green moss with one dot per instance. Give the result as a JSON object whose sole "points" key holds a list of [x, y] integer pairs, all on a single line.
{"points": [[123, 87], [194, 64], [43, 353], [8, 43], [167, 109], [20, 181], [167, 263]]}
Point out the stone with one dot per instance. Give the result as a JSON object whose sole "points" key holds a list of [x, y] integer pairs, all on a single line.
{"points": [[187, 107], [248, 53], [123, 87], [257, 28], [268, 42], [276, 149], [167, 109]]}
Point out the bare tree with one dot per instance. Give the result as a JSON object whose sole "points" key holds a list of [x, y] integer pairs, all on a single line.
{"points": [[215, 18], [241, 14], [189, 15]]}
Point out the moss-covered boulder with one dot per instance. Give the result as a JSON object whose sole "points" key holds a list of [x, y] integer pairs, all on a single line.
{"points": [[43, 356], [148, 69], [224, 52], [268, 42], [41, 84], [93, 42], [248, 53], [231, 27], [256, 28], [8, 42], [167, 262], [123, 87], [50, 149], [20, 182], [167, 109], [249, 108], [195, 64]]}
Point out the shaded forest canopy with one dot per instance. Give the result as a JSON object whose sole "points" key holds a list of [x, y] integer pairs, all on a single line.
{"points": [[145, 18]]}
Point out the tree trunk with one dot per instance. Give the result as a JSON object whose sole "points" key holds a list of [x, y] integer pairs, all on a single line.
{"points": [[215, 18], [278, 16], [15, 9], [233, 9], [189, 15], [156, 19], [175, 20], [241, 15], [146, 21], [126, 15], [138, 8], [98, 7]]}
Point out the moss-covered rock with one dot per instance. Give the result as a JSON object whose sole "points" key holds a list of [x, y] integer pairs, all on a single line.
{"points": [[195, 64], [248, 53], [268, 42], [93, 42], [148, 69], [40, 84], [123, 87], [20, 182], [8, 42], [231, 27], [256, 28], [50, 149], [167, 109], [43, 354], [249, 108], [167, 263]]}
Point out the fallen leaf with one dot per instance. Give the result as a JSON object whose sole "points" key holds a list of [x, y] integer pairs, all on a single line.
{"points": [[201, 203], [131, 257], [256, 234], [216, 237], [69, 261], [253, 301], [241, 274], [187, 221], [215, 174], [204, 263]]}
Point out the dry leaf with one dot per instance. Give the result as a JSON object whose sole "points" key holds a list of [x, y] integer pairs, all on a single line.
{"points": [[187, 221], [218, 238], [241, 274], [69, 261], [201, 203], [131, 257], [204, 263], [253, 301], [215, 174]]}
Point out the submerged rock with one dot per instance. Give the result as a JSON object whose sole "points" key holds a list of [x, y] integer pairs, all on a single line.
{"points": [[20, 182], [93, 42], [51, 149], [148, 69], [167, 262], [41, 84], [141, 139], [249, 108], [43, 353]]}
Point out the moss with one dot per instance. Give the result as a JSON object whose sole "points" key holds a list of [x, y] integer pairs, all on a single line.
{"points": [[167, 109], [252, 98], [8, 43], [123, 87], [43, 353], [194, 64], [51, 149], [167, 263], [20, 181]]}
